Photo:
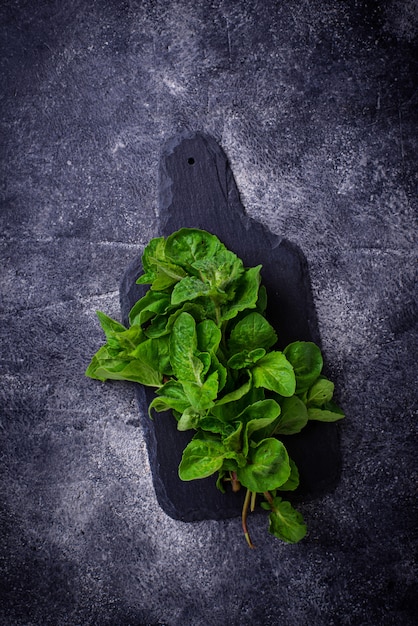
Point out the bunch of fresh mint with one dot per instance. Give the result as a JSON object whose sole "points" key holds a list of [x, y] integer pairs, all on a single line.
{"points": [[199, 336]]}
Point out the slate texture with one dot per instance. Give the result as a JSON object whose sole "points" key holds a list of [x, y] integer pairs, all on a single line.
{"points": [[315, 106]]}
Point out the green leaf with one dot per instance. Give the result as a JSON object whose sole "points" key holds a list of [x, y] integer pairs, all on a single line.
{"points": [[285, 522], [120, 340], [159, 271], [293, 417], [153, 252], [255, 431], [220, 271], [261, 304], [306, 359], [246, 294], [257, 417], [158, 325], [146, 364], [134, 371], [127, 341], [220, 480], [102, 360], [259, 411], [252, 332], [323, 415], [246, 359], [207, 362], [320, 393], [128, 356], [333, 407], [187, 289], [159, 405], [163, 324], [208, 336], [292, 482], [155, 352], [274, 372], [236, 394], [202, 395], [231, 465], [109, 325], [170, 396], [233, 440], [183, 349], [216, 366], [231, 411], [189, 419], [167, 275], [201, 458], [212, 424], [188, 245], [268, 467], [151, 304]]}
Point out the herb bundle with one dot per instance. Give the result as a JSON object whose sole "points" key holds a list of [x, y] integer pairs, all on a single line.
{"points": [[200, 337]]}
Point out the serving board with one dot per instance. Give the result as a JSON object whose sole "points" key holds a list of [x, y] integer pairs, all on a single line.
{"points": [[197, 189]]}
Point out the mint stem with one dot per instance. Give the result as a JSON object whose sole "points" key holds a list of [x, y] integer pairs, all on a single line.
{"points": [[236, 485], [268, 497], [244, 518]]}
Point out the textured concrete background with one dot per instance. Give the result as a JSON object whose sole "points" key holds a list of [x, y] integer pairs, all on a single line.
{"points": [[315, 105]]}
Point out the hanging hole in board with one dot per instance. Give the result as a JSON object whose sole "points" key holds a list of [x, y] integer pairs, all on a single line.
{"points": [[191, 161]]}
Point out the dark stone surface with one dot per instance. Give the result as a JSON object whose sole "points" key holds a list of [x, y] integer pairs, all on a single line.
{"points": [[198, 190], [315, 106]]}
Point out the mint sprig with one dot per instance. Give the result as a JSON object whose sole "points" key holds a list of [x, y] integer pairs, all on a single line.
{"points": [[199, 336]]}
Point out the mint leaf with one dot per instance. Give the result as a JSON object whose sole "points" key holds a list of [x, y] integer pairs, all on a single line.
{"points": [[306, 359], [267, 468], [320, 393], [201, 458], [102, 361], [189, 288], [285, 522], [293, 417], [292, 482], [220, 271], [252, 332], [134, 371], [202, 395], [183, 350], [170, 396], [163, 324], [246, 358], [236, 394], [233, 440], [209, 336], [189, 419], [153, 253], [109, 326], [150, 305], [246, 294], [324, 415], [274, 372], [188, 245], [257, 417]]}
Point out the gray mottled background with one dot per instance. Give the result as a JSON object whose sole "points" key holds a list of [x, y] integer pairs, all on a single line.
{"points": [[315, 105]]}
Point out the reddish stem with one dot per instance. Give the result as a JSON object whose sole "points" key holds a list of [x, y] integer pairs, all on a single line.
{"points": [[268, 497], [236, 485]]}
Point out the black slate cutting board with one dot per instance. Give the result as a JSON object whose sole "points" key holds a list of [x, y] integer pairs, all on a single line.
{"points": [[197, 189]]}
